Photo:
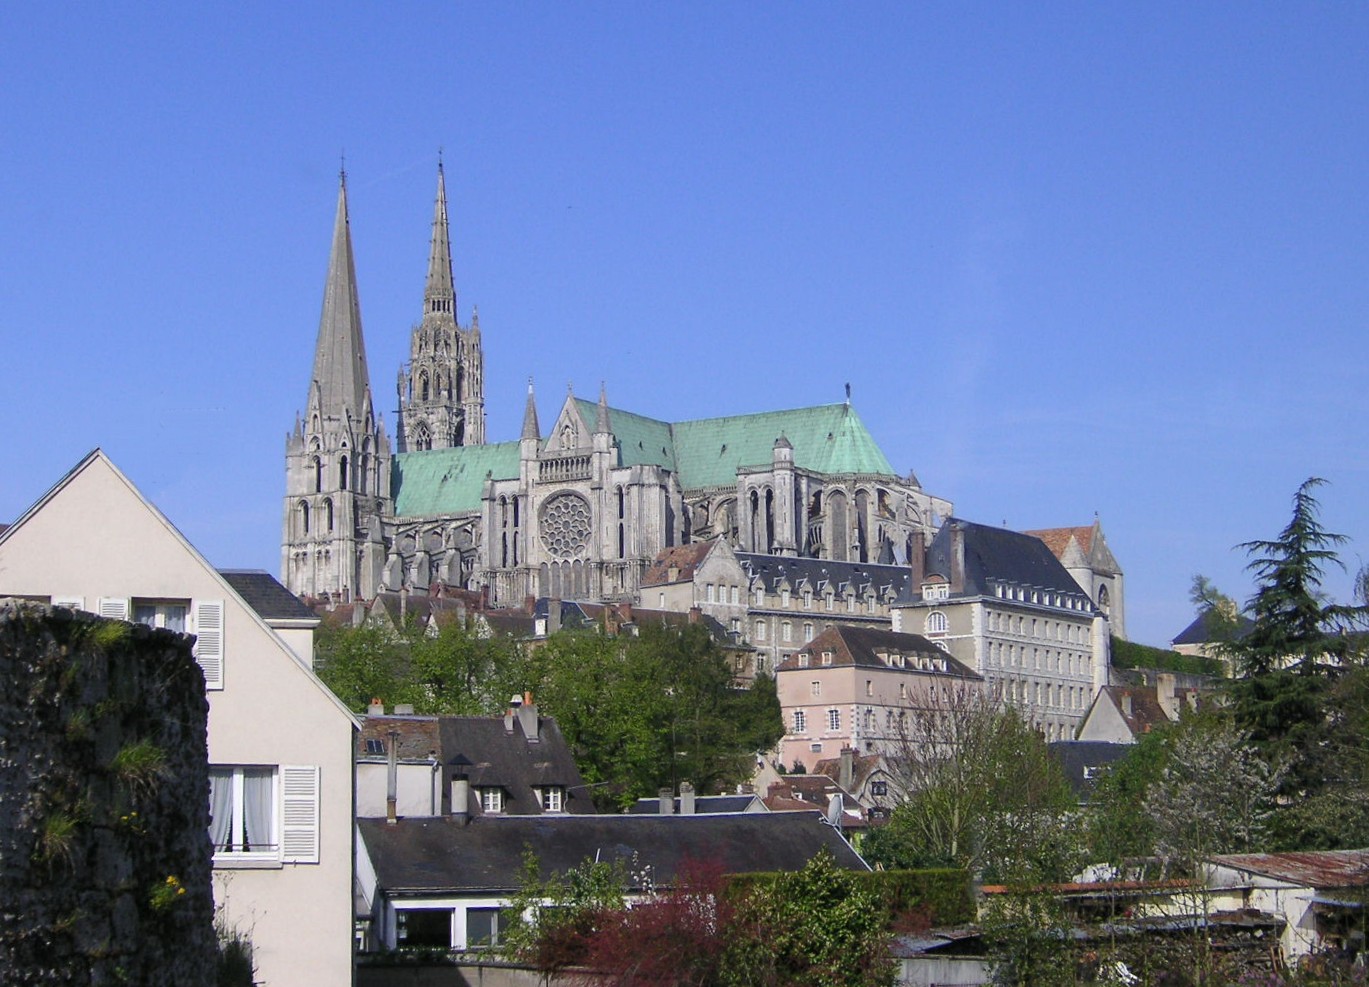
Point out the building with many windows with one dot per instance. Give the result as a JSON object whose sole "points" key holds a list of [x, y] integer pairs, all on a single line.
{"points": [[1003, 604], [853, 687]]}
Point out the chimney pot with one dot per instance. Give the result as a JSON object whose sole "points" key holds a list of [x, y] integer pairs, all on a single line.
{"points": [[377, 708]]}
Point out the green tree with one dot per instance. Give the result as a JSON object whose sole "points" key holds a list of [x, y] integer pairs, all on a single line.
{"points": [[1118, 827], [453, 671], [647, 712], [1294, 626]]}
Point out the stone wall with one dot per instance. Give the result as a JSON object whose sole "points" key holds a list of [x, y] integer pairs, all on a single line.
{"points": [[104, 803]]}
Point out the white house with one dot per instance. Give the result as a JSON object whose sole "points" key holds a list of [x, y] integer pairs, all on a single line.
{"points": [[280, 744]]}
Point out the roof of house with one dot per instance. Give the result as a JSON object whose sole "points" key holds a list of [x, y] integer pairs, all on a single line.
{"points": [[263, 593], [706, 452], [863, 646], [684, 559], [997, 555], [1310, 869], [794, 793], [492, 752], [819, 575], [1146, 711], [1081, 759], [703, 804], [862, 767], [1208, 627], [443, 854]]}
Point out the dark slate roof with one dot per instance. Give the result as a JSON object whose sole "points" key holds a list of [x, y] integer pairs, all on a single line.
{"points": [[1204, 631], [703, 804], [440, 854], [489, 754], [999, 556], [264, 594], [818, 574], [1081, 760], [863, 646]]}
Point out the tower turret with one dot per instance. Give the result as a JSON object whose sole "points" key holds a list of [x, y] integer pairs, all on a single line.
{"points": [[442, 402], [337, 459]]}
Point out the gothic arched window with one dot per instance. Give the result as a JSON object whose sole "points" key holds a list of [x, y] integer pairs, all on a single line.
{"points": [[423, 439], [304, 517], [342, 473], [328, 512], [318, 475]]}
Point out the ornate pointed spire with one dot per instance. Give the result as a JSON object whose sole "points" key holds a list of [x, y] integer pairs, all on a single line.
{"points": [[439, 294], [530, 428], [601, 416], [340, 372]]}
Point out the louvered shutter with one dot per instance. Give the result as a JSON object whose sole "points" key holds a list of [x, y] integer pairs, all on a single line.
{"points": [[209, 641], [114, 607], [70, 602], [299, 813]]}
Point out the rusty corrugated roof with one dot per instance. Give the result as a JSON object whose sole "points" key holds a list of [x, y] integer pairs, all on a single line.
{"points": [[1312, 868]]}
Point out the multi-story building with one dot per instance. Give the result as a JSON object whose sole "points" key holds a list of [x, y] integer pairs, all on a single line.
{"points": [[1002, 603], [853, 688]]}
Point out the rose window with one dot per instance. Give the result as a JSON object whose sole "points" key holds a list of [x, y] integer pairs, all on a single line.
{"points": [[565, 525]]}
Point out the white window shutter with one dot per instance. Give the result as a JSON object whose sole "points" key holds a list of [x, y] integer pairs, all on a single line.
{"points": [[114, 607], [209, 641], [299, 813], [70, 602]]}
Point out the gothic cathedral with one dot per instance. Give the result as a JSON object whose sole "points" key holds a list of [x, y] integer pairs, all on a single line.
{"points": [[577, 512]]}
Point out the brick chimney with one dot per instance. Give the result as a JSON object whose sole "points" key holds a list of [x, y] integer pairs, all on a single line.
{"points": [[846, 770], [957, 557], [695, 613]]}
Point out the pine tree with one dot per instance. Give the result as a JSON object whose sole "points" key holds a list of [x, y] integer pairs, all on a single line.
{"points": [[1294, 626]]}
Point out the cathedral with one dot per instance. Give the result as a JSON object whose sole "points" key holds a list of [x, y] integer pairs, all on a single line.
{"points": [[578, 510]]}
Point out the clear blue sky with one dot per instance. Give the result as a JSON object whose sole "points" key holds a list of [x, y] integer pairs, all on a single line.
{"points": [[1071, 257]]}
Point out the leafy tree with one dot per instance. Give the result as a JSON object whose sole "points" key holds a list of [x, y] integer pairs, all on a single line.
{"points": [[549, 922], [980, 791], [647, 712], [1119, 828], [451, 672]]}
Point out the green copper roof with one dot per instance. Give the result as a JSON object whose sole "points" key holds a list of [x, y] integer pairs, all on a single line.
{"points": [[830, 438], [704, 453], [449, 481], [641, 440]]}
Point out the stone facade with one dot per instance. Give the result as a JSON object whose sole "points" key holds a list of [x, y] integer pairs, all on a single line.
{"points": [[577, 512]]}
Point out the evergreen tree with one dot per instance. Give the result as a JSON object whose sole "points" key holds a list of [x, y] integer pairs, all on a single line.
{"points": [[1294, 626]]}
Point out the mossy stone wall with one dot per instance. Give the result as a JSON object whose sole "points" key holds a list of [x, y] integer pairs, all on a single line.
{"points": [[104, 803]]}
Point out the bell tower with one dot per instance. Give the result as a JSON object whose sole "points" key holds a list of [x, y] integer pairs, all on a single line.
{"points": [[337, 459], [442, 387]]}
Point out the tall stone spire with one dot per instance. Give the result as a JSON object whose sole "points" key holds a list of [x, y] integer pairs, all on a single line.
{"points": [[601, 414], [439, 293], [340, 374], [530, 428]]}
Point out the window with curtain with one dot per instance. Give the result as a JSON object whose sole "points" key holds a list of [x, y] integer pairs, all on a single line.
{"points": [[242, 810]]}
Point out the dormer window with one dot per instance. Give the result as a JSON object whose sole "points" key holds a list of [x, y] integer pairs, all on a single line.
{"points": [[491, 799], [827, 657], [784, 597], [807, 600], [803, 659], [553, 798], [936, 591]]}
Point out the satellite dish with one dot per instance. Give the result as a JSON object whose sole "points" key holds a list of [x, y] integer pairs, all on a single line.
{"points": [[834, 810]]}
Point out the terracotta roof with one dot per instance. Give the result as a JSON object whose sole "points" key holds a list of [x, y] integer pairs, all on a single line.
{"points": [[1146, 711], [685, 558], [862, 767], [1311, 869], [1058, 539]]}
